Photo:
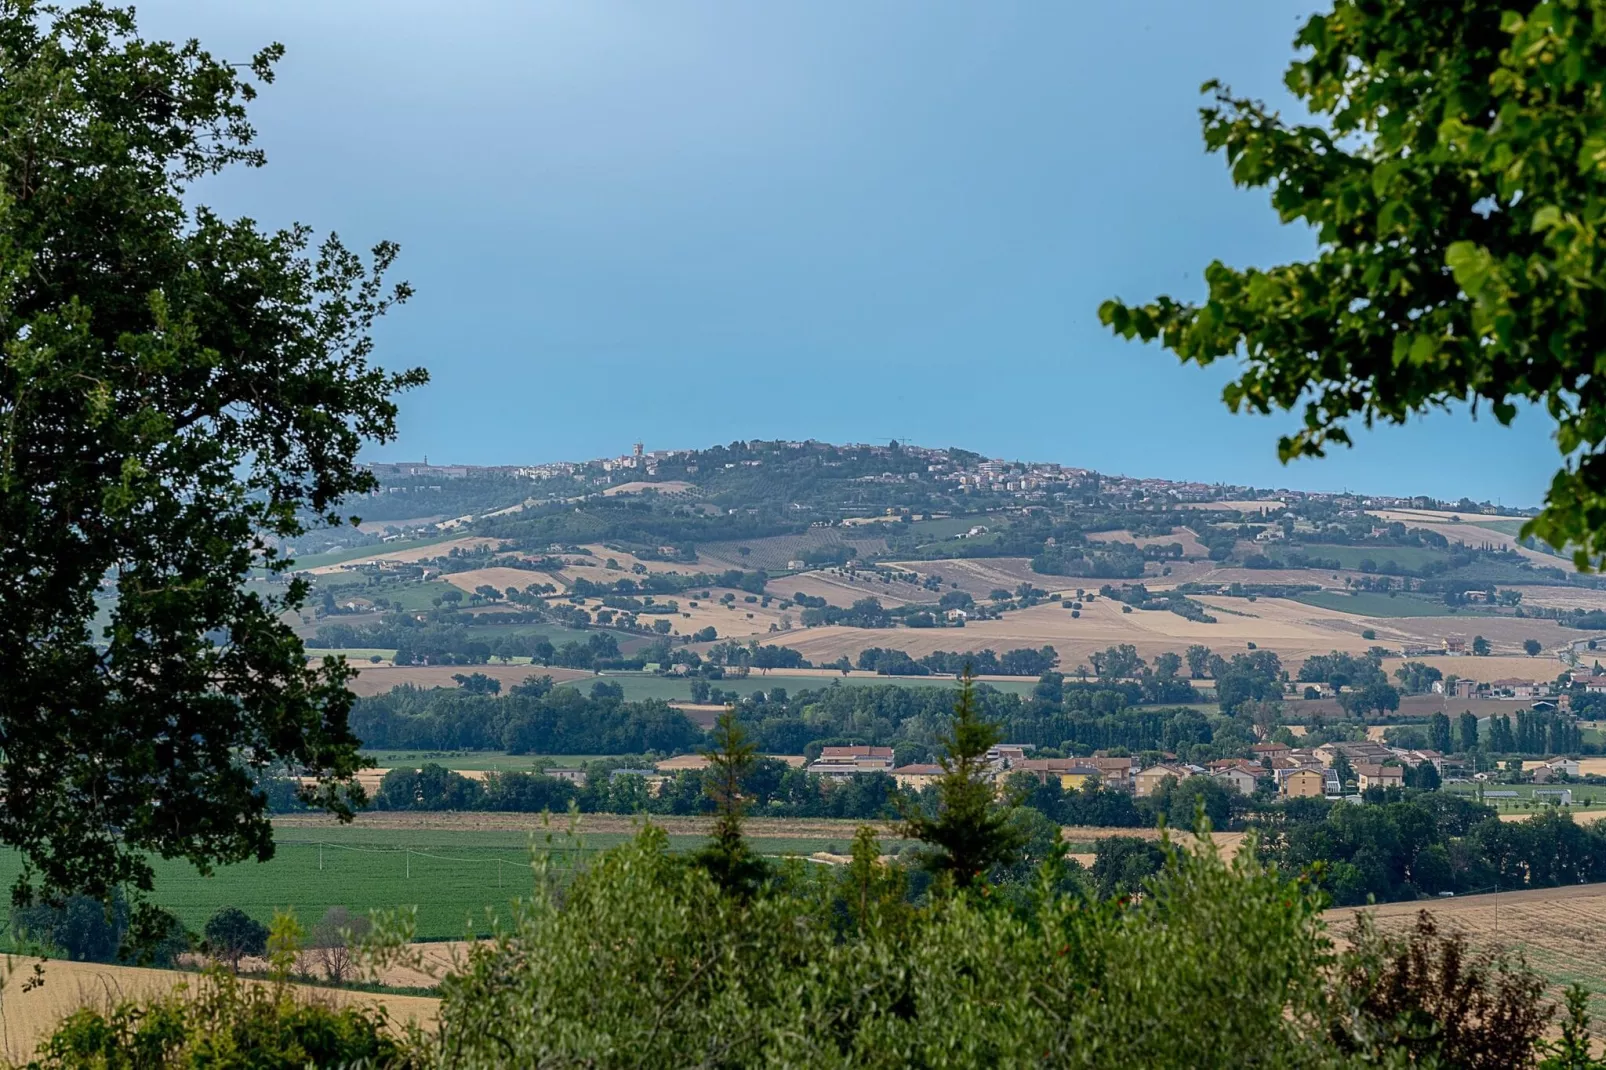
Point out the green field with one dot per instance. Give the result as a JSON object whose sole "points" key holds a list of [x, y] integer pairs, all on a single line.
{"points": [[454, 877], [1374, 604], [1504, 527], [1585, 796], [1352, 556], [415, 596]]}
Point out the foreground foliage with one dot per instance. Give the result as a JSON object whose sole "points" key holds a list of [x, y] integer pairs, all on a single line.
{"points": [[222, 1023], [642, 958], [1453, 175], [178, 392]]}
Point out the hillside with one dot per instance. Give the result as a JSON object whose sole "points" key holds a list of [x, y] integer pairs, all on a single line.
{"points": [[786, 543]]}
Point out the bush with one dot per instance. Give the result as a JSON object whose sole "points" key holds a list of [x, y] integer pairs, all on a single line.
{"points": [[87, 930], [222, 1023], [232, 934], [1428, 996], [1216, 966], [78, 928], [331, 942]]}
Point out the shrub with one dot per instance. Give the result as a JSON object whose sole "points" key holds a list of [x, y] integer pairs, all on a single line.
{"points": [[642, 958], [222, 1023], [231, 934], [1426, 997]]}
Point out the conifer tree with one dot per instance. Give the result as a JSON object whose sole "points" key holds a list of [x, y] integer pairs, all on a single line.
{"points": [[728, 857], [971, 832]]}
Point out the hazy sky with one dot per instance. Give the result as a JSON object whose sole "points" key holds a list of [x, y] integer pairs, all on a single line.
{"points": [[688, 223]]}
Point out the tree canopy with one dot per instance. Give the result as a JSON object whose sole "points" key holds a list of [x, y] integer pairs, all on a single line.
{"points": [[1453, 174], [179, 393]]}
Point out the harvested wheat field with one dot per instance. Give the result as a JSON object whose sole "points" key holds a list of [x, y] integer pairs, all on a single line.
{"points": [[28, 1017], [1291, 629], [1544, 597], [378, 679], [668, 486], [1228, 843], [740, 620], [369, 779], [1586, 767], [702, 714], [1191, 546], [413, 553], [1294, 631], [840, 589], [1165, 575], [1505, 634], [1556, 929], [1485, 670], [1292, 577], [1440, 516], [1471, 533], [499, 578], [425, 965], [1580, 817], [980, 576], [628, 561], [1246, 505]]}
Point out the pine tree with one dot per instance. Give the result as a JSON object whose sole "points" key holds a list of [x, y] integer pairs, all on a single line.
{"points": [[728, 858], [971, 832]]}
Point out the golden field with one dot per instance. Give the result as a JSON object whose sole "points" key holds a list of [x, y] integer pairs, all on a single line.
{"points": [[500, 578], [1556, 930], [28, 1017], [409, 555], [378, 679], [1191, 546], [1293, 630]]}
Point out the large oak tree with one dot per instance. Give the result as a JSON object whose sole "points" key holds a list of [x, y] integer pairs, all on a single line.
{"points": [[1454, 177], [178, 393]]}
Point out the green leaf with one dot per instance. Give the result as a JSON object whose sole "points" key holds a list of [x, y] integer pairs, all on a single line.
{"points": [[1424, 348], [1469, 263]]}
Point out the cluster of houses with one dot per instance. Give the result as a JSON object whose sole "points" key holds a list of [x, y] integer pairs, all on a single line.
{"points": [[1295, 772]]}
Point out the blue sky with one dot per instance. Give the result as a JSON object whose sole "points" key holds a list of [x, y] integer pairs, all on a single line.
{"points": [[688, 222]]}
